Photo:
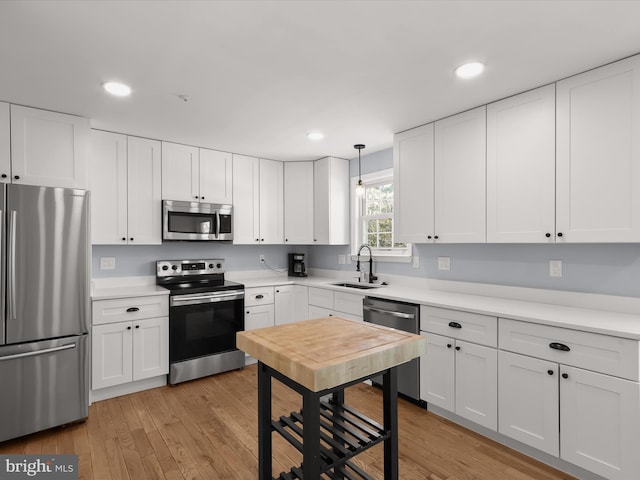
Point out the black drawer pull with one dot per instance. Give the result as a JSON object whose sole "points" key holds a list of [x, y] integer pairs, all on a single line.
{"points": [[133, 309], [550, 372], [258, 297], [559, 346], [455, 325]]}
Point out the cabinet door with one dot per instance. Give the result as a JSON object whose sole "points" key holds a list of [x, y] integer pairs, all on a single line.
{"points": [[413, 171], [216, 180], [298, 203], [271, 202], [111, 354], [260, 316], [331, 201], [108, 174], [598, 154], [477, 383], [321, 202], [600, 423], [150, 347], [528, 401], [49, 149], [301, 302], [246, 211], [521, 156], [460, 171], [144, 191], [180, 172], [437, 372], [5, 143], [285, 311]]}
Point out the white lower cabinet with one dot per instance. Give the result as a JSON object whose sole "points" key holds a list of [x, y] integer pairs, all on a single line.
{"points": [[327, 303], [588, 418], [460, 377], [259, 316], [291, 303], [129, 351]]}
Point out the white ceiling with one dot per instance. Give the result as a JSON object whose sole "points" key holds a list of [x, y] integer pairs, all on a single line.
{"points": [[261, 74]]}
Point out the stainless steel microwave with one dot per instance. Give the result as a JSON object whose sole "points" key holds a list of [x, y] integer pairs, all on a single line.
{"points": [[195, 221]]}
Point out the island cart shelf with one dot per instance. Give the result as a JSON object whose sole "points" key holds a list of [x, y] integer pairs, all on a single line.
{"points": [[318, 359]]}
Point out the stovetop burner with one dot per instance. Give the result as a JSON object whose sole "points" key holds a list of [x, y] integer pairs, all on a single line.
{"points": [[193, 276]]}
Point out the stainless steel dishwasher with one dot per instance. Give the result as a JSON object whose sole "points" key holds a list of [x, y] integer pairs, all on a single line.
{"points": [[401, 316]]}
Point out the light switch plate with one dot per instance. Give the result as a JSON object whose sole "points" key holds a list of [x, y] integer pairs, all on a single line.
{"points": [[107, 263], [444, 263]]}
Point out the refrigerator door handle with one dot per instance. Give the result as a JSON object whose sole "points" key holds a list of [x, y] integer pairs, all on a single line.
{"points": [[12, 265], [38, 352]]}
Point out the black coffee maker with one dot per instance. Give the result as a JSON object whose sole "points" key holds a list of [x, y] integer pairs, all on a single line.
{"points": [[296, 265]]}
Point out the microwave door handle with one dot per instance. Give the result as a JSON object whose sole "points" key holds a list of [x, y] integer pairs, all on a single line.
{"points": [[217, 223]]}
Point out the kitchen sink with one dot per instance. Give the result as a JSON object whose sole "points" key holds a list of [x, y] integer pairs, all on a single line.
{"points": [[361, 286]]}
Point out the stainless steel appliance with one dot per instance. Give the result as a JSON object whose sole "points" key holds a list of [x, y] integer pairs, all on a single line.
{"points": [[296, 265], [44, 306], [205, 313], [195, 221], [402, 316]]}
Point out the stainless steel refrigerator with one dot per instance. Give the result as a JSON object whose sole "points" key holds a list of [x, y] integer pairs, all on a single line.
{"points": [[44, 305]]}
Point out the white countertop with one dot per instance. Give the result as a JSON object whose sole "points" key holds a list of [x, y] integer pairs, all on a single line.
{"points": [[597, 320]]}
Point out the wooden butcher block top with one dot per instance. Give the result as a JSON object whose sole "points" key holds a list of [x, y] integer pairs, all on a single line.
{"points": [[331, 351]]}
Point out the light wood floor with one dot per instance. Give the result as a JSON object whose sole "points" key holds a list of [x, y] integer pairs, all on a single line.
{"points": [[206, 429]]}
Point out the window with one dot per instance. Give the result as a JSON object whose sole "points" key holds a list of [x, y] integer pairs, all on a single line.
{"points": [[373, 218]]}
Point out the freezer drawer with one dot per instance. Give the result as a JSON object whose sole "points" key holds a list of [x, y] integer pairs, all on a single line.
{"points": [[44, 384]]}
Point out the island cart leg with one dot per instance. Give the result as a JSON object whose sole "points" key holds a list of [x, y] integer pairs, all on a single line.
{"points": [[338, 400], [390, 407], [264, 422], [311, 434]]}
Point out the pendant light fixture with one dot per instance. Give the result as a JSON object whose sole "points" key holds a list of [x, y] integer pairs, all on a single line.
{"points": [[359, 185]]}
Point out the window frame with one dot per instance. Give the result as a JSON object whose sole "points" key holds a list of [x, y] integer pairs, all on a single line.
{"points": [[400, 255]]}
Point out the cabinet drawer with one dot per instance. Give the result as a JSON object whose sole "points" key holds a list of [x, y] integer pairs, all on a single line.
{"points": [[472, 327], [319, 312], [321, 297], [129, 308], [348, 303], [591, 351], [258, 296]]}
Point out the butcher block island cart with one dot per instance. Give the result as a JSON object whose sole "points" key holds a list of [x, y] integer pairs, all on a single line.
{"points": [[318, 359]]}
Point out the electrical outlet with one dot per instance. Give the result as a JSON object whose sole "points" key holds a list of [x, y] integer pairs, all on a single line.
{"points": [[444, 263], [555, 268], [261, 258], [416, 262], [107, 263]]}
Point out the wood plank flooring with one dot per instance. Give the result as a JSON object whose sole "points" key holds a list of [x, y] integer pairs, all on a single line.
{"points": [[207, 429]]}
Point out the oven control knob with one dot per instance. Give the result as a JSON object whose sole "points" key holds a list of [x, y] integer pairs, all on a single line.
{"points": [[219, 265], [210, 265], [165, 267], [174, 267]]}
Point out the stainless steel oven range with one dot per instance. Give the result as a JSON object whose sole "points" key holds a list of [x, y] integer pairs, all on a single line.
{"points": [[205, 312]]}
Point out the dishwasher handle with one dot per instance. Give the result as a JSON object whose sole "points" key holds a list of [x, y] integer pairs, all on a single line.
{"points": [[389, 312]]}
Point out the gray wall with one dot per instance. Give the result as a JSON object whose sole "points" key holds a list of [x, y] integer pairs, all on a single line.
{"points": [[593, 268]]}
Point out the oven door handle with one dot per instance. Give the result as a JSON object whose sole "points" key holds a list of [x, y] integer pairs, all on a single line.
{"points": [[184, 300]]}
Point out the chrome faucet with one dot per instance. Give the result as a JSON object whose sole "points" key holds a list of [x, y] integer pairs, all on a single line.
{"points": [[371, 277]]}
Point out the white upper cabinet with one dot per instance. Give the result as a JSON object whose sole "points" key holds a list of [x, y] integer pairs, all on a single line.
{"points": [[413, 170], [5, 143], [460, 188], [180, 172], [298, 203], [258, 197], [125, 184], [48, 148], [331, 201], [215, 179], [521, 168], [598, 155]]}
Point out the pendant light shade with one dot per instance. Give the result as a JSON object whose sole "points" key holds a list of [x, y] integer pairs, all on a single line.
{"points": [[359, 185]]}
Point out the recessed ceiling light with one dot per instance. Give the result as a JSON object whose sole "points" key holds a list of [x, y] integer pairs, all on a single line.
{"points": [[469, 70], [118, 89], [315, 135]]}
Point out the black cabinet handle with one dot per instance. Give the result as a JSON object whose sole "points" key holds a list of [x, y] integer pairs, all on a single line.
{"points": [[277, 291], [4, 175], [559, 234], [248, 312], [129, 328], [550, 372], [259, 297], [124, 239], [547, 235], [435, 236], [455, 325], [286, 239], [17, 177], [202, 198], [133, 309], [195, 196], [565, 375], [428, 237], [449, 345], [458, 349], [257, 239], [559, 346], [262, 239], [131, 239], [137, 326]]}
